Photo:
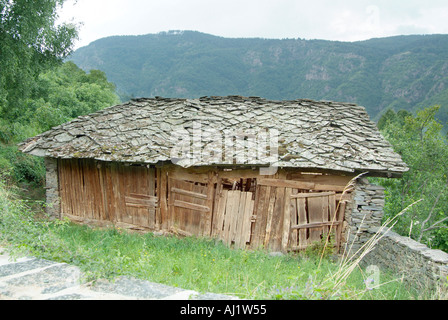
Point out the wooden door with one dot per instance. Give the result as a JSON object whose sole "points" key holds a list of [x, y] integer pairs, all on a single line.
{"points": [[233, 217], [140, 196], [190, 207], [313, 217]]}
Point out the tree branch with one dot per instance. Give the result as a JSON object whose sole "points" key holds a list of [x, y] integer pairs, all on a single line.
{"points": [[430, 214]]}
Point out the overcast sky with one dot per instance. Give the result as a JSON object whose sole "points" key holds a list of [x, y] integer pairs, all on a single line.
{"points": [[348, 20]]}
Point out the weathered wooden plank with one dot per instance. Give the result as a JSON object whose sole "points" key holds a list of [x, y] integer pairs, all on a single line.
{"points": [[270, 216], [238, 208], [110, 193], [78, 186], [189, 193], [145, 203], [233, 199], [99, 191], [181, 174], [299, 184], [315, 225], [321, 179], [328, 187], [261, 216], [181, 218], [302, 219], [206, 219], [332, 210], [277, 220], [216, 199], [139, 206], [218, 221], [124, 187], [248, 219], [293, 220], [286, 219], [285, 183], [91, 188], [162, 185], [201, 224], [254, 215], [101, 176], [325, 213], [240, 220], [340, 215], [312, 194], [141, 199], [192, 206], [169, 203], [316, 214]]}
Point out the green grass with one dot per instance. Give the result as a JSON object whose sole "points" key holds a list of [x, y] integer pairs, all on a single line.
{"points": [[203, 265]]}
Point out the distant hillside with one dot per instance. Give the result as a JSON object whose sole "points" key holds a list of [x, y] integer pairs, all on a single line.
{"points": [[396, 72]]}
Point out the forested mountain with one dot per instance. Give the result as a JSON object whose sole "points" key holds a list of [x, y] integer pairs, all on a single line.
{"points": [[402, 72]]}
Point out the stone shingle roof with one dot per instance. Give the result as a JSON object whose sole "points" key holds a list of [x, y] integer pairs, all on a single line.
{"points": [[311, 134]]}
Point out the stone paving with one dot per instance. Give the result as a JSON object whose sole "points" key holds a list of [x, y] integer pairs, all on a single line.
{"points": [[30, 278]]}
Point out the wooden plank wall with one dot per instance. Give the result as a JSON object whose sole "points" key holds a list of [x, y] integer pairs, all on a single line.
{"points": [[288, 211], [109, 192], [293, 214]]}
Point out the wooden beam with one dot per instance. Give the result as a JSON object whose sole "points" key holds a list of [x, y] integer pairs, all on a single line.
{"points": [[312, 195], [285, 183], [315, 225], [189, 193], [300, 184], [162, 185], [192, 206], [286, 218]]}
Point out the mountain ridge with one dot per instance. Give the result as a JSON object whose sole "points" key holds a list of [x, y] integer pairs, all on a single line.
{"points": [[399, 72]]}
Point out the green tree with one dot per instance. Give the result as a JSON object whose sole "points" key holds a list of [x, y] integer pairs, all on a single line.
{"points": [[420, 142], [30, 42], [65, 93]]}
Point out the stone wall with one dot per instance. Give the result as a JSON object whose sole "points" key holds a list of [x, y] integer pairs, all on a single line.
{"points": [[425, 268], [363, 213], [52, 188]]}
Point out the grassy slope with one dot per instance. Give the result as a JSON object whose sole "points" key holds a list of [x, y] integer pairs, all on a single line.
{"points": [[198, 264]]}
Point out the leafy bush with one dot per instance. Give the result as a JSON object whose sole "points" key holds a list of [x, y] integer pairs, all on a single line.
{"points": [[420, 142], [21, 167]]}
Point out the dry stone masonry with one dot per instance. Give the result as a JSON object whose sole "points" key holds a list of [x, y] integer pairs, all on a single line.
{"points": [[52, 188], [423, 267], [365, 213]]}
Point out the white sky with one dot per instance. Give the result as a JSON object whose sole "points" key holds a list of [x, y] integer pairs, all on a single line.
{"points": [[347, 20]]}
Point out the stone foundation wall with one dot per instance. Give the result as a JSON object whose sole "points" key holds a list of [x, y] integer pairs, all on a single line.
{"points": [[52, 188]]}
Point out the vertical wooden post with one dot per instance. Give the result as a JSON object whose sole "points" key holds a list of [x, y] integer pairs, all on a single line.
{"points": [[162, 195], [286, 219], [206, 221]]}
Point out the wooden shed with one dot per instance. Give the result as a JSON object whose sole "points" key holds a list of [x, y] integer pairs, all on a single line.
{"points": [[249, 171]]}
